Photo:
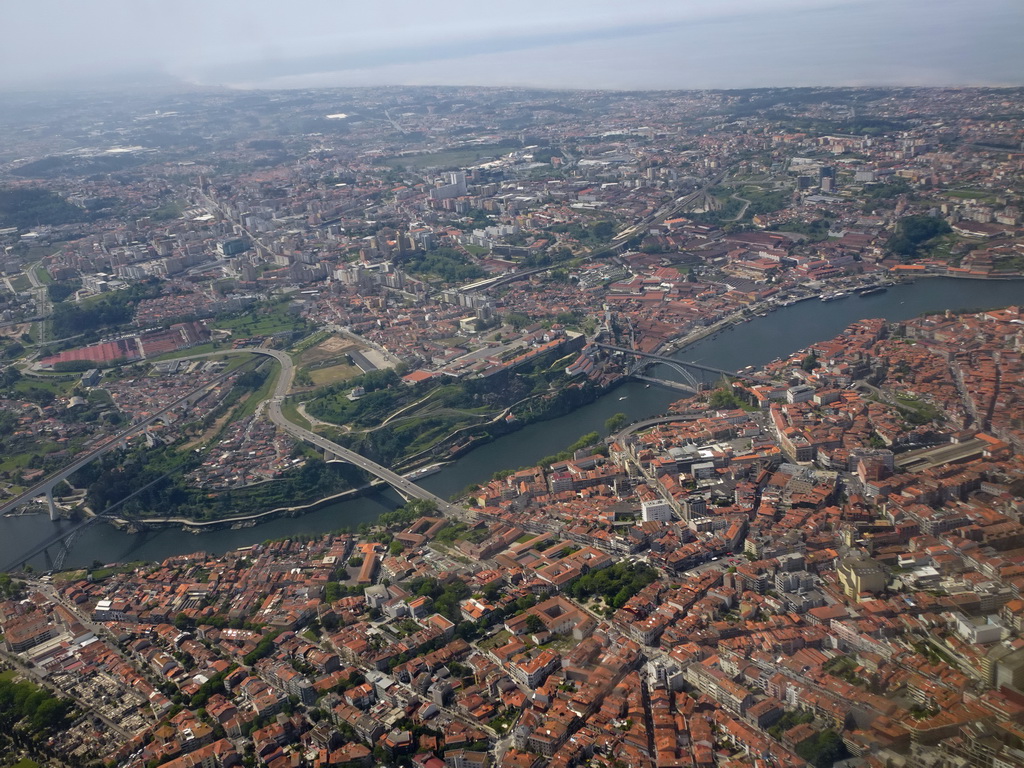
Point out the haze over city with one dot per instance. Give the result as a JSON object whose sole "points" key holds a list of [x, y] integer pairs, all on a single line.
{"points": [[605, 44], [582, 384]]}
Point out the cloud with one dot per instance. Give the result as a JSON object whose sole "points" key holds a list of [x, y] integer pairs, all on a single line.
{"points": [[643, 43]]}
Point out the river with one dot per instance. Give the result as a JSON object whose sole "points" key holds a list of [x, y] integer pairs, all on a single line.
{"points": [[754, 343]]}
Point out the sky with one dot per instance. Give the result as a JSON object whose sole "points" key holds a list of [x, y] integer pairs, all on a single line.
{"points": [[606, 44]]}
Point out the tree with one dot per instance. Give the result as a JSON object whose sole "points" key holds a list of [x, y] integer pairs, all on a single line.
{"points": [[534, 624], [823, 750], [517, 320], [602, 230], [810, 362], [723, 398], [332, 592], [616, 422], [913, 231]]}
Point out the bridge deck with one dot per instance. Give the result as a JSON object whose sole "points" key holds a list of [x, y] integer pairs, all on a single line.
{"points": [[672, 360]]}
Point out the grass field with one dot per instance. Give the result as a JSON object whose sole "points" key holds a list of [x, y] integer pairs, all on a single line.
{"points": [[21, 283], [261, 394], [333, 374], [264, 320], [942, 247], [969, 194], [43, 276], [495, 642], [291, 412], [59, 386], [19, 461], [105, 573], [327, 349], [455, 158], [237, 361], [309, 342], [326, 361]]}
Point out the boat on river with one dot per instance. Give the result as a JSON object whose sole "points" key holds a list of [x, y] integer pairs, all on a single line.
{"points": [[835, 296], [416, 474]]}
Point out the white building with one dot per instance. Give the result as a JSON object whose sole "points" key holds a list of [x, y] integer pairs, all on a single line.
{"points": [[656, 511]]}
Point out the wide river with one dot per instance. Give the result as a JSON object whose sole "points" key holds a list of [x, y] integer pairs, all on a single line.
{"points": [[754, 343]]}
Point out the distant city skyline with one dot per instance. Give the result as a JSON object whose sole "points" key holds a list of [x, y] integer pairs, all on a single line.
{"points": [[649, 44]]}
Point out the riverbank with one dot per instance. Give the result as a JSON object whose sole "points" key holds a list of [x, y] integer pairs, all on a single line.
{"points": [[460, 443], [237, 521], [778, 334]]}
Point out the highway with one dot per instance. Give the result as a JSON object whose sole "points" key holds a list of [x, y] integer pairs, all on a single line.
{"points": [[406, 487], [401, 484]]}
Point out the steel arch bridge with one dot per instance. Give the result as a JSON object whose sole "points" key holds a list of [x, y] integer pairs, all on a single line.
{"points": [[688, 378]]}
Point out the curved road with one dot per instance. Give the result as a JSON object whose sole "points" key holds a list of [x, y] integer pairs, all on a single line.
{"points": [[404, 486], [401, 484], [637, 426]]}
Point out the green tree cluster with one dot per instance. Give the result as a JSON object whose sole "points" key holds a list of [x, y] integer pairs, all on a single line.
{"points": [[262, 649], [26, 208], [450, 265], [211, 687], [26, 705], [586, 441], [446, 596], [413, 510], [823, 749], [912, 232], [724, 397], [616, 584], [59, 291], [110, 310], [616, 422], [10, 588]]}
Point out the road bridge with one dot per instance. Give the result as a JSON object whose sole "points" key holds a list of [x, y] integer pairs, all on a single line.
{"points": [[404, 486], [667, 383], [674, 362], [65, 538]]}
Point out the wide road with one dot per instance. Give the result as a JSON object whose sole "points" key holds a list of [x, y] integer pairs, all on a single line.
{"points": [[401, 484], [640, 425]]}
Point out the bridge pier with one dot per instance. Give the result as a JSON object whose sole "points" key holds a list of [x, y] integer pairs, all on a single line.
{"points": [[52, 505]]}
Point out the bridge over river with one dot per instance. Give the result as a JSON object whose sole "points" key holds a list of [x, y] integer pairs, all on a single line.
{"points": [[403, 485]]}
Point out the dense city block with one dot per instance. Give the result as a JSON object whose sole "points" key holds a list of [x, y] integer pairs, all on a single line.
{"points": [[220, 308]]}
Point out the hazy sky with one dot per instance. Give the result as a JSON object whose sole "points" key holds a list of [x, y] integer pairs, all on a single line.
{"points": [[550, 43]]}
